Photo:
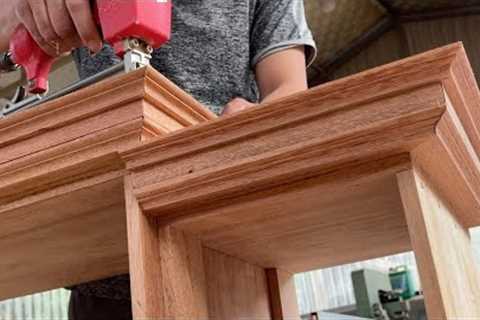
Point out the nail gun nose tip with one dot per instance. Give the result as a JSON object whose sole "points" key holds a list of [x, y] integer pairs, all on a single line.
{"points": [[38, 86]]}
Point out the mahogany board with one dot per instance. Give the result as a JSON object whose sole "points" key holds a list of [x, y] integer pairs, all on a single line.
{"points": [[310, 181], [300, 183], [315, 225], [62, 206]]}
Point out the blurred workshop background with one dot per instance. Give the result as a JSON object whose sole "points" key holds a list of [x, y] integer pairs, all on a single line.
{"points": [[352, 36]]}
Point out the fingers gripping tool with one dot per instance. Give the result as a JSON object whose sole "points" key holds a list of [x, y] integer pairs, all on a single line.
{"points": [[132, 27]]}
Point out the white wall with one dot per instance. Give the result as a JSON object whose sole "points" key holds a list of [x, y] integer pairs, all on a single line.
{"points": [[51, 305]]}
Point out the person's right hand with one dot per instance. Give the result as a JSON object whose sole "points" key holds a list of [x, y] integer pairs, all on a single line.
{"points": [[59, 26]]}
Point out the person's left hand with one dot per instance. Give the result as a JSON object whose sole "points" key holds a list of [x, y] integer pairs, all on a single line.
{"points": [[236, 105]]}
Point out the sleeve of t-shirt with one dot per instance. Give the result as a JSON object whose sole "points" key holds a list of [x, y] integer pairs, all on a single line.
{"points": [[279, 25]]}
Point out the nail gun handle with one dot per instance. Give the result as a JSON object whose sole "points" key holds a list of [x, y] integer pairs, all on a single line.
{"points": [[36, 62]]}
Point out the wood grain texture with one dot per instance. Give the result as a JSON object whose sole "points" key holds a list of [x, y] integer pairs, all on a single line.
{"points": [[259, 153], [300, 183], [166, 268], [236, 289], [443, 251], [293, 183], [263, 184], [384, 81], [283, 297], [80, 134], [311, 225], [144, 258], [265, 173], [184, 288], [45, 245], [61, 178], [174, 277], [451, 164]]}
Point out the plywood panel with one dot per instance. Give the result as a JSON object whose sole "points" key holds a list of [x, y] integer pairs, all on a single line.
{"points": [[309, 181], [62, 207], [63, 245], [298, 183], [312, 226], [236, 289]]}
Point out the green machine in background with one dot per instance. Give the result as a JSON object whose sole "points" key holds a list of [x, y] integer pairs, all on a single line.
{"points": [[367, 283], [403, 282], [388, 296]]}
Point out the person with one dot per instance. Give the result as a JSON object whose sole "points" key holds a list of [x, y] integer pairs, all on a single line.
{"points": [[228, 54], [313, 316]]}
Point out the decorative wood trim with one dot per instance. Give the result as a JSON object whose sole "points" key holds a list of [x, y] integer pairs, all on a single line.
{"points": [[144, 84], [402, 101], [218, 179], [52, 144], [436, 66], [284, 150], [168, 98], [450, 162], [312, 174], [60, 173]]}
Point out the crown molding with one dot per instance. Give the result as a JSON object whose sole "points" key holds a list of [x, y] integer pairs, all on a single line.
{"points": [[62, 205], [232, 180]]}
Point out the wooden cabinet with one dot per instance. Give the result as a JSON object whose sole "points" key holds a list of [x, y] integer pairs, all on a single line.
{"points": [[212, 216]]}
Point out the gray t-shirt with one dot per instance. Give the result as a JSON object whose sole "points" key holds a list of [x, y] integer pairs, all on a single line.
{"points": [[214, 48], [215, 45]]}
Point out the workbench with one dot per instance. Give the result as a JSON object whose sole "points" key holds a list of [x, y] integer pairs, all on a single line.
{"points": [[213, 216]]}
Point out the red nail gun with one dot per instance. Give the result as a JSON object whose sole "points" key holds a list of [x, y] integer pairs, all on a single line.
{"points": [[132, 27]]}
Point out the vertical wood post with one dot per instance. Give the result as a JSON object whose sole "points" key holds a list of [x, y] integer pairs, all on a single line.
{"points": [[283, 296], [166, 268], [443, 252]]}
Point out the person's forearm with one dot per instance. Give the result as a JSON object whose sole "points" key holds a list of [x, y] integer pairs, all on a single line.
{"points": [[8, 22], [281, 74], [283, 91]]}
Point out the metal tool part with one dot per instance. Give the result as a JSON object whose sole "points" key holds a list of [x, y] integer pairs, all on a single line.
{"points": [[27, 102], [137, 54], [132, 27], [6, 62]]}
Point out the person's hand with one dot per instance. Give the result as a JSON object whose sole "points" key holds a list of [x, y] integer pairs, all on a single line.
{"points": [[58, 26], [236, 105]]}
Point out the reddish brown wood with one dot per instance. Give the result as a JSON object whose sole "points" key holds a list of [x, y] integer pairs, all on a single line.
{"points": [[301, 183], [236, 289], [61, 178], [283, 296], [443, 250]]}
